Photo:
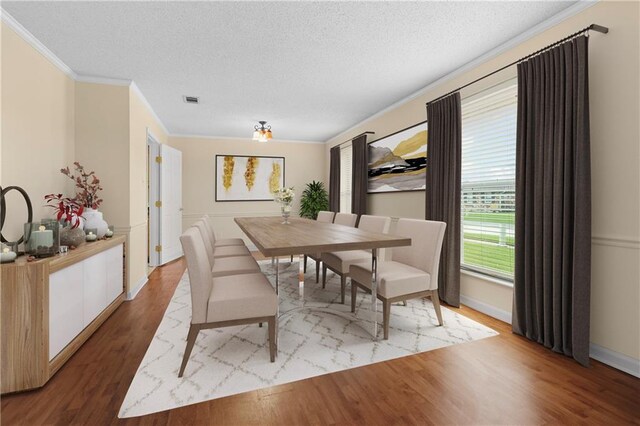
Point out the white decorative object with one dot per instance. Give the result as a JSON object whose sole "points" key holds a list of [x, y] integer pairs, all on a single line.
{"points": [[7, 255], [93, 219], [284, 196], [232, 360], [43, 237]]}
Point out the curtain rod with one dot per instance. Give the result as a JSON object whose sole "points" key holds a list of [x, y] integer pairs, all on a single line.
{"points": [[594, 27], [351, 139]]}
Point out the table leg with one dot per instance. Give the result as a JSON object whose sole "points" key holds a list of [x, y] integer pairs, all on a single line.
{"points": [[301, 276], [277, 273], [374, 292]]}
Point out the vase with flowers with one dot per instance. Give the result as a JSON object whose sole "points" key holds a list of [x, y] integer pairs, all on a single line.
{"points": [[284, 197], [88, 186], [69, 214]]}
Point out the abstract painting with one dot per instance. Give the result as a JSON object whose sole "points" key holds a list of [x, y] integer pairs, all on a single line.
{"points": [[398, 162], [246, 178]]}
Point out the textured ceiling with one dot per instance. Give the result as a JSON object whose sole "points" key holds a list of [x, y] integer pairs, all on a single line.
{"points": [[312, 69]]}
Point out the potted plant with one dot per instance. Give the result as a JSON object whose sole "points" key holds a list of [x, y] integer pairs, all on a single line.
{"points": [[88, 185], [69, 214], [314, 199]]}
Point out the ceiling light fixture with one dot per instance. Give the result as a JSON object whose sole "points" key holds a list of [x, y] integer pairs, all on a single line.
{"points": [[262, 133]]}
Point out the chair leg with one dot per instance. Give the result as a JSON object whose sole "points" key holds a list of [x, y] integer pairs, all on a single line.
{"points": [[191, 340], [324, 275], [259, 324], [343, 287], [305, 263], [272, 339], [354, 293], [317, 271], [436, 306], [386, 308], [291, 258]]}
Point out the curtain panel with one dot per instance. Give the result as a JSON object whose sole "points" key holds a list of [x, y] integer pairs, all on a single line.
{"points": [[443, 186], [552, 281], [334, 179], [359, 175]]}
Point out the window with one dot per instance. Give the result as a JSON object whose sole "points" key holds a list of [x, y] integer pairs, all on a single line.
{"points": [[488, 180], [345, 178]]}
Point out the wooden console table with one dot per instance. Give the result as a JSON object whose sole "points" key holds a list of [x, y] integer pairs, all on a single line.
{"points": [[50, 307]]}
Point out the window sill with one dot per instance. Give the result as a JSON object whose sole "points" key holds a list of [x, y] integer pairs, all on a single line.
{"points": [[489, 278]]}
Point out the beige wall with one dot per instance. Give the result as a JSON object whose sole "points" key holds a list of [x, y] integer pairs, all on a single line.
{"points": [[37, 128], [614, 94], [140, 121], [102, 144], [304, 162], [53, 121]]}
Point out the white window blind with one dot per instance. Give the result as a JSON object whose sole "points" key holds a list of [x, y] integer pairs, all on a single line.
{"points": [[488, 180], [345, 178]]}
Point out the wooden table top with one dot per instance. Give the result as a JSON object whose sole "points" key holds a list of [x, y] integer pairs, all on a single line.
{"points": [[305, 236]]}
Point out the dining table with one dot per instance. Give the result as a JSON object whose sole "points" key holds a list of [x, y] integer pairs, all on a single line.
{"points": [[274, 238]]}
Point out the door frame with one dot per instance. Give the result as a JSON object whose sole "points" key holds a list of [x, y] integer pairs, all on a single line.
{"points": [[153, 195]]}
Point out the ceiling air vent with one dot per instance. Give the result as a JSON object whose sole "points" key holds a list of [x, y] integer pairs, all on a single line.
{"points": [[190, 99]]}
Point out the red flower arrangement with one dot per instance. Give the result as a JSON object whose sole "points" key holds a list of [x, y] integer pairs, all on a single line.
{"points": [[88, 185], [66, 208]]}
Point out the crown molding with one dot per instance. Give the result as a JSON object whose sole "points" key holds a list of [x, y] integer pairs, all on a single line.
{"points": [[572, 10], [11, 22], [95, 79], [235, 138]]}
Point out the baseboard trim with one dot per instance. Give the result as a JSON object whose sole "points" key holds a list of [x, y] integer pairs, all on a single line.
{"points": [[615, 359], [131, 294], [485, 308]]}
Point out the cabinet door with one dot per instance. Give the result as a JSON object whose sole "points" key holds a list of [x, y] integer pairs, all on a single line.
{"points": [[95, 286], [65, 307], [115, 271]]}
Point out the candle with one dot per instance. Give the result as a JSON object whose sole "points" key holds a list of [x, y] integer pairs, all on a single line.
{"points": [[7, 255], [43, 237], [91, 236]]}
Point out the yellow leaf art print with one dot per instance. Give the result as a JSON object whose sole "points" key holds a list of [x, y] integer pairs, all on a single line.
{"points": [[248, 178], [274, 179], [228, 171], [250, 172]]}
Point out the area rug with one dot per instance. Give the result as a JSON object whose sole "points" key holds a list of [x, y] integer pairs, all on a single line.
{"points": [[236, 359]]}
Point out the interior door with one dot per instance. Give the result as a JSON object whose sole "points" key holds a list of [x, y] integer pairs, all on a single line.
{"points": [[171, 208]]}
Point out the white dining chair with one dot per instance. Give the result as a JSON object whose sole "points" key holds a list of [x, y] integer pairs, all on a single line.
{"points": [[326, 217], [340, 261], [224, 301], [411, 273]]}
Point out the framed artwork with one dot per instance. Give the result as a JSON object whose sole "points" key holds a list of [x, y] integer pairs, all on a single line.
{"points": [[398, 162], [246, 178]]}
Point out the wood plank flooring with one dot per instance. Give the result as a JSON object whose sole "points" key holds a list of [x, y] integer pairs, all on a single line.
{"points": [[500, 380]]}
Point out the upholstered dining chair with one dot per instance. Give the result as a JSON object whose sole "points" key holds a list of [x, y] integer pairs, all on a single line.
{"points": [[340, 261], [220, 242], [219, 251], [233, 265], [326, 217], [346, 219], [411, 273], [226, 300]]}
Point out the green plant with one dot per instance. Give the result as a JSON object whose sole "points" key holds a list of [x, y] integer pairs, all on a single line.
{"points": [[314, 199]]}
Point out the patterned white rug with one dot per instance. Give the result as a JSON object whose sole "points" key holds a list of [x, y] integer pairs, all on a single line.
{"points": [[236, 359]]}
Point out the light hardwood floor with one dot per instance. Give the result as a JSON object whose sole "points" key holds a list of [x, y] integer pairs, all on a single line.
{"points": [[499, 380]]}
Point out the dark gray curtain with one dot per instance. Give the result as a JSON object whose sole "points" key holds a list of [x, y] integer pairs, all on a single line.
{"points": [[334, 179], [553, 201], [359, 175], [444, 143]]}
